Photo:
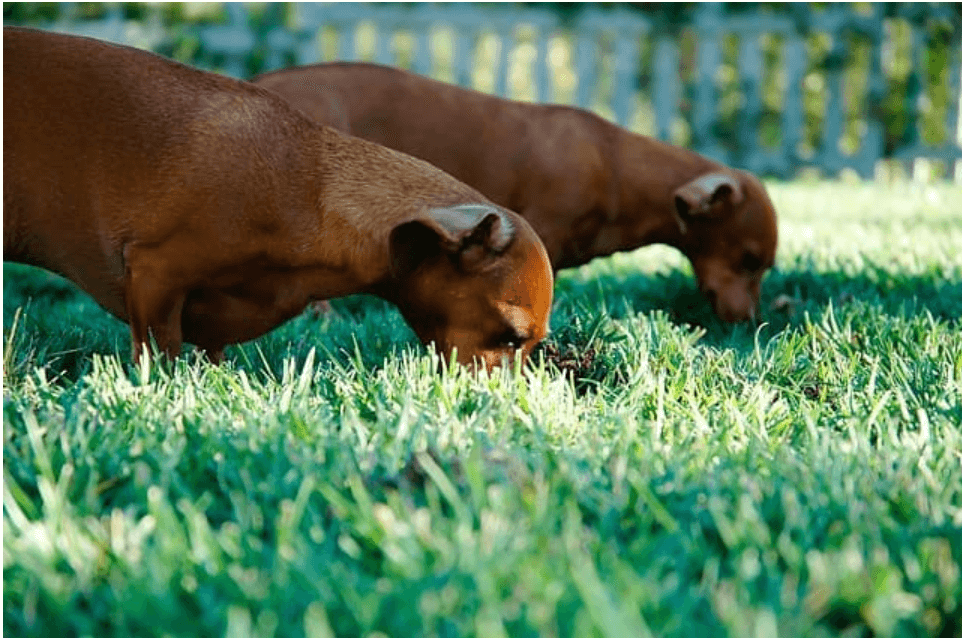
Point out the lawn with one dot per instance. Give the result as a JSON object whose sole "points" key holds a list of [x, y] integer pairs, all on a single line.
{"points": [[650, 473]]}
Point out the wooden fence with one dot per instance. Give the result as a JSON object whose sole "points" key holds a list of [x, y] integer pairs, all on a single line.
{"points": [[773, 92]]}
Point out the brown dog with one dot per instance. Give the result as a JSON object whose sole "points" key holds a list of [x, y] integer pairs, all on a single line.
{"points": [[203, 209], [588, 187]]}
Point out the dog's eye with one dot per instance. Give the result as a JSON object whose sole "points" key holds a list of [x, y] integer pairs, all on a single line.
{"points": [[751, 262], [511, 338]]}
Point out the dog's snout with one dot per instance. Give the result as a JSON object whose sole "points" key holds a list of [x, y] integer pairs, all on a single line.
{"points": [[732, 301], [734, 308]]}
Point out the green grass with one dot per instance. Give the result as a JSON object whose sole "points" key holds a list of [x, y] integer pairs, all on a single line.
{"points": [[652, 472]]}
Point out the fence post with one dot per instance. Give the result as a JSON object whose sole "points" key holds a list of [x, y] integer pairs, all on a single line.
{"points": [[708, 60], [541, 65], [505, 41], [585, 69], [304, 19], [829, 153], [234, 40], [626, 70], [873, 142], [665, 86], [461, 56], [750, 69], [382, 50], [954, 124], [423, 56], [346, 35]]}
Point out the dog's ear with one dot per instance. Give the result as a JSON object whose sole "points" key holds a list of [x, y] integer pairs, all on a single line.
{"points": [[469, 234], [707, 196]]}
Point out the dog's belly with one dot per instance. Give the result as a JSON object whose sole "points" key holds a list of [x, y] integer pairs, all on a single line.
{"points": [[217, 316]]}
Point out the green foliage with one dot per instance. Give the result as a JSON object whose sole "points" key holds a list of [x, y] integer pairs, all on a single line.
{"points": [[910, 97], [650, 473]]}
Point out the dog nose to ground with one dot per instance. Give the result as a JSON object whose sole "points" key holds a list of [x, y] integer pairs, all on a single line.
{"points": [[732, 303], [737, 311]]}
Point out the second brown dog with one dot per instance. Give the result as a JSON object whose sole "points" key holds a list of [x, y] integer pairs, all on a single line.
{"points": [[588, 187]]}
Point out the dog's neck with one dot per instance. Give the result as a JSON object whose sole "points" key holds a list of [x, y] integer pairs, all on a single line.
{"points": [[360, 192], [649, 172], [343, 226]]}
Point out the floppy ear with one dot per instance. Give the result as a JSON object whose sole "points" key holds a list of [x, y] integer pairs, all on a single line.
{"points": [[706, 196], [468, 234]]}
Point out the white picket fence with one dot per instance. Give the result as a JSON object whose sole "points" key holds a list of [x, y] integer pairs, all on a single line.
{"points": [[596, 62]]}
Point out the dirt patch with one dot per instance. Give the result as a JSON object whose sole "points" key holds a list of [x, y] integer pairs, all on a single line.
{"points": [[569, 359], [585, 365], [812, 392]]}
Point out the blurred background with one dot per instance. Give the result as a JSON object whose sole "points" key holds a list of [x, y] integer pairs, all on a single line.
{"points": [[784, 90]]}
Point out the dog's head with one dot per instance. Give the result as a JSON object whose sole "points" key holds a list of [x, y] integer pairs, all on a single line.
{"points": [[474, 278], [729, 233]]}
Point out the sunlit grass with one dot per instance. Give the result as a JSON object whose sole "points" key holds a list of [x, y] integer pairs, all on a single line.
{"points": [[651, 472]]}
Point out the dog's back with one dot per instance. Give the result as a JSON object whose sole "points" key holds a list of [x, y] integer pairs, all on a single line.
{"points": [[459, 130], [103, 144]]}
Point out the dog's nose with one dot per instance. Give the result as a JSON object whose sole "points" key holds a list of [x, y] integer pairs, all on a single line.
{"points": [[733, 306], [737, 313]]}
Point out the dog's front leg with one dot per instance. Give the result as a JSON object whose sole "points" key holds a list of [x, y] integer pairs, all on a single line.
{"points": [[214, 354], [155, 303]]}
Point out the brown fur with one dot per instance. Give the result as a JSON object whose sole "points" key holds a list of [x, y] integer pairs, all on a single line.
{"points": [[203, 209], [588, 187]]}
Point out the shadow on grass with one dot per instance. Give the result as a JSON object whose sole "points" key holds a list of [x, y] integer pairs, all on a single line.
{"points": [[50, 322], [788, 296], [61, 327]]}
